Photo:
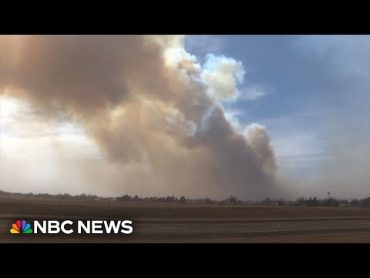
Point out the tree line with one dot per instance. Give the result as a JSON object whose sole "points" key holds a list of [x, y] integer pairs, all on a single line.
{"points": [[231, 200]]}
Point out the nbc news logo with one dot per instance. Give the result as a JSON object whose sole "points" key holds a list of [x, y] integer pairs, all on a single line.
{"points": [[69, 227], [21, 226]]}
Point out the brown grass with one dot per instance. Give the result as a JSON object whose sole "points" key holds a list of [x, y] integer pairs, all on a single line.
{"points": [[170, 210]]}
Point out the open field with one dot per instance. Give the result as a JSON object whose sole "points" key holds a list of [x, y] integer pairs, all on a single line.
{"points": [[174, 222]]}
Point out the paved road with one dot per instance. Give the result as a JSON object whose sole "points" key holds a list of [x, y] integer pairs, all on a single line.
{"points": [[345, 229]]}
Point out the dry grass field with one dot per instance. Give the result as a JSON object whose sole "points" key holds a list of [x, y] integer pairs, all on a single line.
{"points": [[193, 223]]}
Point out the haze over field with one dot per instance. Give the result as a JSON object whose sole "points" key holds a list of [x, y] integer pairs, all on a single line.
{"points": [[200, 116]]}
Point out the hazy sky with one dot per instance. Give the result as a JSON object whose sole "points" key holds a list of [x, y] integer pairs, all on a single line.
{"points": [[129, 119]]}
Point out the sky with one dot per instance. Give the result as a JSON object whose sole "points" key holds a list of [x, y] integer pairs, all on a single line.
{"points": [[311, 90], [280, 116]]}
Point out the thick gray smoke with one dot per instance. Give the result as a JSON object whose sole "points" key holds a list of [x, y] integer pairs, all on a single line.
{"points": [[152, 109]]}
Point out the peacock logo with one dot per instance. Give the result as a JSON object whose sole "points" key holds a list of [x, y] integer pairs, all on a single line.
{"points": [[21, 226]]}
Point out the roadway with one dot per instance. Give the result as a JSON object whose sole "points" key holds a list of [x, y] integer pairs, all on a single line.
{"points": [[182, 230]]}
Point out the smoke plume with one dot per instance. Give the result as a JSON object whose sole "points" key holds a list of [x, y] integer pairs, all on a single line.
{"points": [[152, 109]]}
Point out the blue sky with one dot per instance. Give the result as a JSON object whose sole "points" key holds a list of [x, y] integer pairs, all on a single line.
{"points": [[312, 90]]}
